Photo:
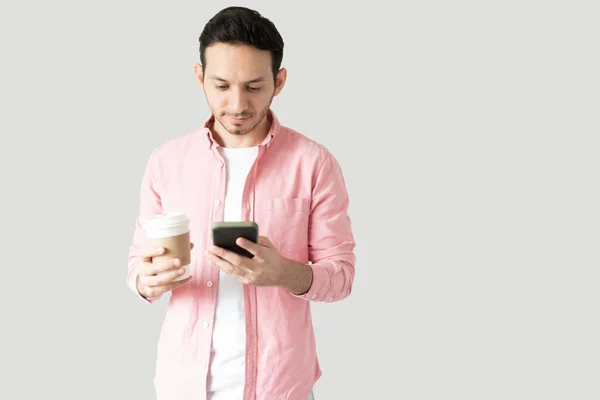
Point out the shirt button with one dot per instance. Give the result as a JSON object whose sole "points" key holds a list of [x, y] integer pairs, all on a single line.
{"points": [[220, 164], [217, 202], [314, 296], [209, 284], [206, 324], [205, 365]]}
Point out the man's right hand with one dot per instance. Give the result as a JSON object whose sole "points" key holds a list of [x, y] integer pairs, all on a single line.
{"points": [[156, 278]]}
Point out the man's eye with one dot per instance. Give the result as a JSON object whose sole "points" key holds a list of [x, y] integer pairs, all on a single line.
{"points": [[222, 87], [254, 89]]}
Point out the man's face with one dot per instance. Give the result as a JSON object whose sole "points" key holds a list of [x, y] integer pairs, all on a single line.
{"points": [[239, 86]]}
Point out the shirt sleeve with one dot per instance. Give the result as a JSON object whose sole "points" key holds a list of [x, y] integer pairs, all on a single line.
{"points": [[150, 204], [331, 242]]}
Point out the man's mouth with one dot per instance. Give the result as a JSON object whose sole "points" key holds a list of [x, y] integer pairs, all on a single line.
{"points": [[239, 119]]}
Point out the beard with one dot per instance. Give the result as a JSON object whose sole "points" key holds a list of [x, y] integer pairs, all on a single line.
{"points": [[247, 126]]}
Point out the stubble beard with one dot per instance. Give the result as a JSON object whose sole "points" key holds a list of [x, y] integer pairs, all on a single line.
{"points": [[242, 131]]}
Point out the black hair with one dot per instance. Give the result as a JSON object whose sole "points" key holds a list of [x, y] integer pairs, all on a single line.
{"points": [[243, 26]]}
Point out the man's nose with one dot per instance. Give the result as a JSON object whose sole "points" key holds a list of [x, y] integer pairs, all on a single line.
{"points": [[239, 102]]}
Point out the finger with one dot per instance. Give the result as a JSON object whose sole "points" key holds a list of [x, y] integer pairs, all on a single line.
{"points": [[175, 285], [230, 256], [160, 290], [264, 241], [241, 273], [163, 278], [223, 264], [163, 266], [150, 252], [191, 245], [252, 247]]}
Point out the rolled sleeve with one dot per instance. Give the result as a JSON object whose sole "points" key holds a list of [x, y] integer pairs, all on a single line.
{"points": [[150, 204], [331, 242]]}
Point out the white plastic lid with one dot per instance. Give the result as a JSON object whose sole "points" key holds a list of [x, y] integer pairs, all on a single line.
{"points": [[166, 221]]}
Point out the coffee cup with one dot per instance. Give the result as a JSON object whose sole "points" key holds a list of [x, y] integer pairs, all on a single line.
{"points": [[172, 232]]}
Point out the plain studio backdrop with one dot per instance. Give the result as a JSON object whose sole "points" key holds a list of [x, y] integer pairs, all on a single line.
{"points": [[468, 136]]}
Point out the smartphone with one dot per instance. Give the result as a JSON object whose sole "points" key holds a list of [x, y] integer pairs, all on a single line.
{"points": [[226, 233]]}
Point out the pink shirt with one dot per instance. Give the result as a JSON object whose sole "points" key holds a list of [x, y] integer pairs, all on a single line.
{"points": [[296, 194]]}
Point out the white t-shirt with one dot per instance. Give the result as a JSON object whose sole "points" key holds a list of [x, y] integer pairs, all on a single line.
{"points": [[228, 365]]}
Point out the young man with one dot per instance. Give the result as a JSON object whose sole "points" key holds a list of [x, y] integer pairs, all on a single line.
{"points": [[239, 327]]}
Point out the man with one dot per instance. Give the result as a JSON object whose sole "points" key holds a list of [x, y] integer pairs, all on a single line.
{"points": [[239, 327]]}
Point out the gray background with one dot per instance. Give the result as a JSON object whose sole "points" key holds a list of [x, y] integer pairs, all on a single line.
{"points": [[468, 136]]}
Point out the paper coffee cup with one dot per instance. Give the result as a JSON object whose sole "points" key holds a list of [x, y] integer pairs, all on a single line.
{"points": [[172, 232]]}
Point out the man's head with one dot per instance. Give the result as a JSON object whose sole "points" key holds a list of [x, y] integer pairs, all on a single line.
{"points": [[239, 70]]}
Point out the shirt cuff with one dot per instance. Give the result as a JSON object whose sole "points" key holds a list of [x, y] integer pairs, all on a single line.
{"points": [[319, 287]]}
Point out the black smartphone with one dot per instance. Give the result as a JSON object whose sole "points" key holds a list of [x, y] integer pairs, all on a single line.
{"points": [[226, 233]]}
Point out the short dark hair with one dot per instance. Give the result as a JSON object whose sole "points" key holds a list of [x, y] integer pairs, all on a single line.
{"points": [[244, 26]]}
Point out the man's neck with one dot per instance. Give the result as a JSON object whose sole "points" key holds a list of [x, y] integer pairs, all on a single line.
{"points": [[249, 139]]}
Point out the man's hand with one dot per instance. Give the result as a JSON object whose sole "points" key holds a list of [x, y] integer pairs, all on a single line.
{"points": [[156, 278], [267, 268]]}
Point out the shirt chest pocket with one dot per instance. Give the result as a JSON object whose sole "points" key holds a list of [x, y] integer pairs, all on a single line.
{"points": [[285, 222]]}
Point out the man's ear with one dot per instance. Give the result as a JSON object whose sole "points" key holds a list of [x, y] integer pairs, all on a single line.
{"points": [[199, 74], [280, 81]]}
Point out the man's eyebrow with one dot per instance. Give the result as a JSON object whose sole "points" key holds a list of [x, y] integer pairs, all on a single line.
{"points": [[217, 78]]}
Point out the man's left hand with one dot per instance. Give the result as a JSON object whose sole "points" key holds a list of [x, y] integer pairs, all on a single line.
{"points": [[267, 268]]}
